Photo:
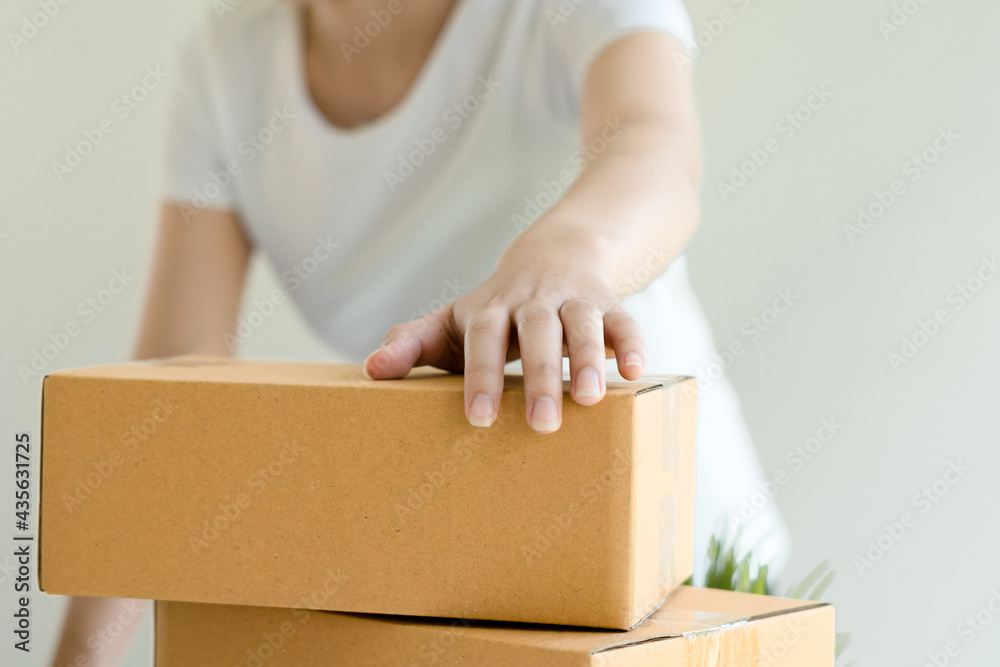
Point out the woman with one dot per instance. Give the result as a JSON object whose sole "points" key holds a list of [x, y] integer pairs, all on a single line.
{"points": [[484, 180]]}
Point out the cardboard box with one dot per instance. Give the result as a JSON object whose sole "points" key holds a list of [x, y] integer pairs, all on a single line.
{"points": [[256, 483], [695, 628]]}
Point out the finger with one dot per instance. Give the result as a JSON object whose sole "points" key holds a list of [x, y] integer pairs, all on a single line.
{"points": [[486, 335], [417, 343], [625, 337], [583, 328], [539, 335]]}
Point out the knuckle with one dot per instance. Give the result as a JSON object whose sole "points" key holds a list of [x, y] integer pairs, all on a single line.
{"points": [[479, 367], [579, 308], [582, 343], [395, 331], [392, 333], [590, 329], [535, 313], [546, 370], [610, 305], [482, 325]]}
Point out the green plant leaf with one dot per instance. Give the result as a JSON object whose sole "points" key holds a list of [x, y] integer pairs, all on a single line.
{"points": [[820, 588], [730, 571], [799, 592]]}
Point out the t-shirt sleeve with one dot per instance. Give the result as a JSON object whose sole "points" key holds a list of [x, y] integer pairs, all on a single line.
{"points": [[582, 29], [190, 137]]}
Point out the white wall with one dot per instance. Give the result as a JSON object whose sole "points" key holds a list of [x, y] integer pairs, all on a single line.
{"points": [[826, 357]]}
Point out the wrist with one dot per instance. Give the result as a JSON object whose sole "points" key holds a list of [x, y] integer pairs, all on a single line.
{"points": [[561, 245]]}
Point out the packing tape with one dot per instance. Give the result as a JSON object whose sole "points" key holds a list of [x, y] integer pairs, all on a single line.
{"points": [[670, 464], [678, 622], [731, 646], [668, 537], [670, 453]]}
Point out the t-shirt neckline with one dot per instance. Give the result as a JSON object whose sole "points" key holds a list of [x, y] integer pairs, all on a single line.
{"points": [[410, 99]]}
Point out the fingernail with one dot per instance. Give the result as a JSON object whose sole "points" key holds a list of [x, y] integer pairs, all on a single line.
{"points": [[633, 359], [364, 367], [481, 411], [544, 416], [588, 383]]}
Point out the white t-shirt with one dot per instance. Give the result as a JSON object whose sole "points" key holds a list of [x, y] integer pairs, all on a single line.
{"points": [[376, 225]]}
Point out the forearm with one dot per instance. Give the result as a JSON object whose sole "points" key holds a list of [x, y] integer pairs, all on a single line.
{"points": [[634, 206], [632, 209], [97, 631], [195, 285]]}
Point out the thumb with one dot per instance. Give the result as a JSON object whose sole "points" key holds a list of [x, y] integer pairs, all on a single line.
{"points": [[421, 342]]}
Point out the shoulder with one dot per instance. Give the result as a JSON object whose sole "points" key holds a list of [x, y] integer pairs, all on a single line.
{"points": [[595, 15], [236, 35], [575, 32]]}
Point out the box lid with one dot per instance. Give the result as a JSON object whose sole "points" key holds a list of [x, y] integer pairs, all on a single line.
{"points": [[200, 368]]}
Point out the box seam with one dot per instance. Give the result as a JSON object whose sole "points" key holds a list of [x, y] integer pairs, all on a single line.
{"points": [[749, 619]]}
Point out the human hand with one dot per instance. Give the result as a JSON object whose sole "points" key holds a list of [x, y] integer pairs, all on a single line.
{"points": [[549, 297]]}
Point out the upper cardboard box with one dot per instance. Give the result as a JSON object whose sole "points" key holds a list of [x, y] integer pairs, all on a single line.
{"points": [[694, 628], [277, 484]]}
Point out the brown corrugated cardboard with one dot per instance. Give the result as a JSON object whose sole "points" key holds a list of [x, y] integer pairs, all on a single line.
{"points": [[212, 480], [694, 628]]}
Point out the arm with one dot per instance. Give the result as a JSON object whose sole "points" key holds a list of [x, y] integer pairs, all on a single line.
{"points": [[641, 192], [559, 285], [197, 281], [193, 299]]}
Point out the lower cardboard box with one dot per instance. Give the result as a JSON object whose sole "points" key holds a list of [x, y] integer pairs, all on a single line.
{"points": [[694, 628]]}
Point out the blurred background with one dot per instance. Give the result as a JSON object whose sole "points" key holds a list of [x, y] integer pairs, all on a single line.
{"points": [[851, 169]]}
